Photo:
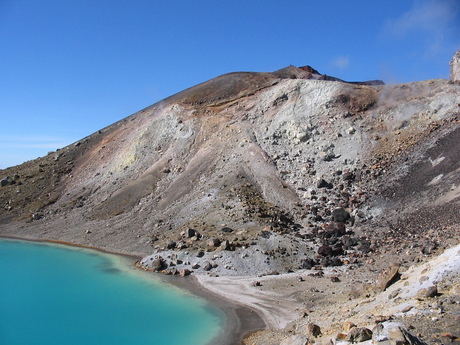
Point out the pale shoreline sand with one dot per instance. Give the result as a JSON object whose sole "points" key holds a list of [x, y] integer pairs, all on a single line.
{"points": [[275, 310], [240, 319]]}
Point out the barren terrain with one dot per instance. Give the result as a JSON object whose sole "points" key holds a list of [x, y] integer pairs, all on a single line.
{"points": [[288, 192]]}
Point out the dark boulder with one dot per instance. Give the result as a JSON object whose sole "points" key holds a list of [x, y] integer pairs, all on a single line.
{"points": [[340, 215]]}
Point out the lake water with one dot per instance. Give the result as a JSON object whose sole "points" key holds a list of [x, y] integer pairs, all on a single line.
{"points": [[53, 294]]}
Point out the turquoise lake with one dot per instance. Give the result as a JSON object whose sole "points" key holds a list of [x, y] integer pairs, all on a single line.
{"points": [[53, 294]]}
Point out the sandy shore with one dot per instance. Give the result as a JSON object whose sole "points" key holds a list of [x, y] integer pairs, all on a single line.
{"points": [[275, 309]]}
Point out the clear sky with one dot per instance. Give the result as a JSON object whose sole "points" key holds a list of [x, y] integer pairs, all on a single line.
{"points": [[69, 68]]}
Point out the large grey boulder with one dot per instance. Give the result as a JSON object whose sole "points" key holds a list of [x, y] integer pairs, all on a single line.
{"points": [[394, 333]]}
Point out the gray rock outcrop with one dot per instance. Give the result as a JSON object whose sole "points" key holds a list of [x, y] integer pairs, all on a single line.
{"points": [[455, 67]]}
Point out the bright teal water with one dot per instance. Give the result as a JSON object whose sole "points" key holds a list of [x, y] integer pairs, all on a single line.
{"points": [[52, 294]]}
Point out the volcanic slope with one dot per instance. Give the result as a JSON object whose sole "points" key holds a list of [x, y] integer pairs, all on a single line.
{"points": [[259, 174], [243, 159]]}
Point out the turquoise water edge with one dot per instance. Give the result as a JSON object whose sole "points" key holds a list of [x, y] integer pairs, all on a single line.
{"points": [[56, 294]]}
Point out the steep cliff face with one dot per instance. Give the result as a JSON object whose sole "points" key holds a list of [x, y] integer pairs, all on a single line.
{"points": [[250, 164]]}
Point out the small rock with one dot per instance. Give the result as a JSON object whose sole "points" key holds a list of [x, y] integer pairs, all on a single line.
{"points": [[158, 264], [381, 318], [429, 292], [393, 294], [387, 277], [348, 176], [225, 245], [184, 272], [322, 183], [359, 334], [325, 250], [407, 308], [170, 244], [5, 181], [308, 263], [340, 215], [348, 326], [313, 330], [192, 233], [336, 229], [213, 243]]}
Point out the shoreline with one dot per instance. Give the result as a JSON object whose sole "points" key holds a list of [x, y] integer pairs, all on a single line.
{"points": [[239, 320], [241, 290]]}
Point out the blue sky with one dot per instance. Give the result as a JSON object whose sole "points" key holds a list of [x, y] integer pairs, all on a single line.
{"points": [[70, 68]]}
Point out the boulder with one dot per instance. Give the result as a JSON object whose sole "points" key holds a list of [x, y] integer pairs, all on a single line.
{"points": [[429, 292], [387, 277], [213, 243], [170, 244], [158, 264], [5, 181], [340, 215], [348, 176], [313, 330], [307, 263], [322, 183], [394, 333], [325, 250], [336, 229], [184, 272], [192, 233], [226, 245], [359, 334]]}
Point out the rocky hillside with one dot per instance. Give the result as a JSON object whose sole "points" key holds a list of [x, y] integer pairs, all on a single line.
{"points": [[255, 174]]}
